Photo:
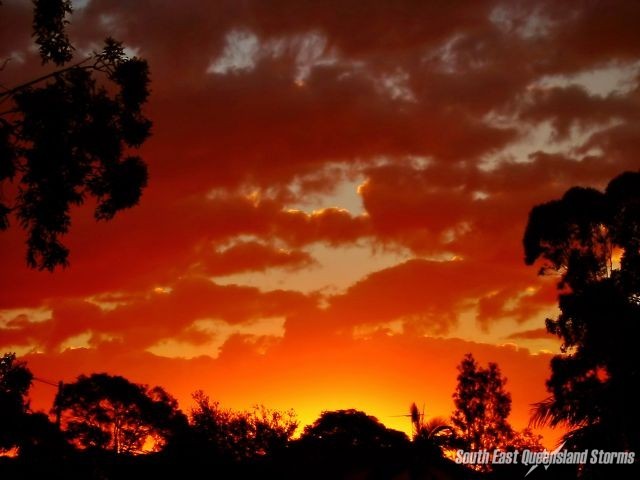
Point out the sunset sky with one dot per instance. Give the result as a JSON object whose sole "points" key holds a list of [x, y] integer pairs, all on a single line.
{"points": [[337, 197]]}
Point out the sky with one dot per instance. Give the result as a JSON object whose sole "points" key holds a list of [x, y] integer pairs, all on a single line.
{"points": [[337, 198]]}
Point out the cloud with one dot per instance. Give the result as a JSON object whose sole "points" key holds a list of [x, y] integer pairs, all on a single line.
{"points": [[256, 128], [594, 33], [315, 96], [15, 24], [252, 256], [532, 334], [427, 296], [149, 317], [158, 242], [571, 106], [399, 292]]}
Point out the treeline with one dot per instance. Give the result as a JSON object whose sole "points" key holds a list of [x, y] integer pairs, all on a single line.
{"points": [[104, 426]]}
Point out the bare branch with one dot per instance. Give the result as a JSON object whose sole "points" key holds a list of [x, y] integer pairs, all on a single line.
{"points": [[4, 64]]}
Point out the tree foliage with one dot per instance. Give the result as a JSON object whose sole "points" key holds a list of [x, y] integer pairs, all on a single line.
{"points": [[110, 413], [351, 441], [238, 435], [15, 381], [344, 429], [71, 134], [436, 429], [431, 436], [28, 433], [591, 239], [482, 406]]}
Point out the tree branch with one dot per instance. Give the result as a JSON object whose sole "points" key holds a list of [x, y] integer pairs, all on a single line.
{"points": [[4, 63], [10, 92]]}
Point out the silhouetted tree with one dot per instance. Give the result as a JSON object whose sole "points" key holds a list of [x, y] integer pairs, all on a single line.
{"points": [[110, 413], [272, 429], [68, 134], [30, 434], [526, 439], [351, 444], [241, 435], [352, 428], [482, 406], [591, 239], [435, 429], [208, 422], [432, 436], [15, 381]]}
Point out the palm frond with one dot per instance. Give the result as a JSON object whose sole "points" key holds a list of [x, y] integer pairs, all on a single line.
{"points": [[544, 414]]}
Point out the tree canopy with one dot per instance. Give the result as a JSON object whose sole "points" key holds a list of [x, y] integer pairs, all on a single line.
{"points": [[70, 134], [351, 428], [107, 426], [482, 406], [15, 381], [110, 413], [591, 240], [240, 435]]}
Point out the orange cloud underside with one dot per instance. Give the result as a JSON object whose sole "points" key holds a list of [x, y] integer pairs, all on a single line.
{"points": [[337, 198]]}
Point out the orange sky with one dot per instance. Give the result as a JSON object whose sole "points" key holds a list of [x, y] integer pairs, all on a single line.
{"points": [[338, 192]]}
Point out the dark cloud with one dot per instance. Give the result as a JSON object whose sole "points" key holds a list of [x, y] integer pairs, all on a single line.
{"points": [[574, 106], [385, 80], [252, 256], [150, 317]]}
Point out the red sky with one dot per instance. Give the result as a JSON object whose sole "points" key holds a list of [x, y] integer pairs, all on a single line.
{"points": [[338, 192]]}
